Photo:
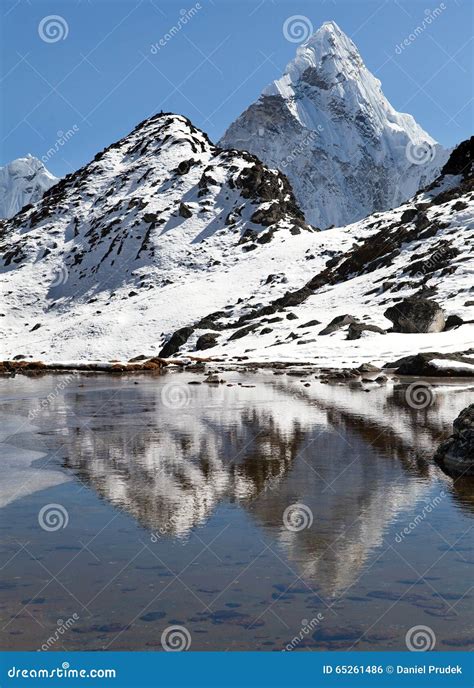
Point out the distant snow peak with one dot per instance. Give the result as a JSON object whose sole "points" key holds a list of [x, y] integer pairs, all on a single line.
{"points": [[365, 157], [23, 181]]}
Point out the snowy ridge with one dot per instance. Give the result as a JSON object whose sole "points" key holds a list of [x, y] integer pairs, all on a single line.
{"points": [[164, 231], [162, 207], [328, 126], [23, 181]]}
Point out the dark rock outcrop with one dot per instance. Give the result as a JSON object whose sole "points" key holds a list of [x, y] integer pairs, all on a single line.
{"points": [[422, 364], [185, 211], [453, 321], [416, 315], [408, 215], [461, 159], [206, 341], [456, 454], [310, 323], [176, 341], [338, 322], [356, 330]]}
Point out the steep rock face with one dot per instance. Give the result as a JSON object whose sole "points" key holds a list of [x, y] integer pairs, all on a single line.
{"points": [[328, 126], [23, 181]]}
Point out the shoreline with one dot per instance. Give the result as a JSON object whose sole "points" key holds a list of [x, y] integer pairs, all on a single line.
{"points": [[210, 366]]}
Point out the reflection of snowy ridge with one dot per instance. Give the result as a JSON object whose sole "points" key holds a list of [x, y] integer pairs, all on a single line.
{"points": [[265, 447], [377, 488], [391, 413], [172, 476]]}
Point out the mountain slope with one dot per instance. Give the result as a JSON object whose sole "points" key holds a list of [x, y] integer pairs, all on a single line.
{"points": [[423, 249], [328, 126], [23, 181], [161, 209], [160, 233]]}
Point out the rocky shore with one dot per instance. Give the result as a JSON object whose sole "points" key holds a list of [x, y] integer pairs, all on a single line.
{"points": [[426, 364], [456, 454]]}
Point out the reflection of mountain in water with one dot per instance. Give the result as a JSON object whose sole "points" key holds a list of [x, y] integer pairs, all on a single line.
{"points": [[357, 459], [172, 478]]}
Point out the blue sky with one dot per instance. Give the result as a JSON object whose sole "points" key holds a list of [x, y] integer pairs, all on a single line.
{"points": [[103, 75]]}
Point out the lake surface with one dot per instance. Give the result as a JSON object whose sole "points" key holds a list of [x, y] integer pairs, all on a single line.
{"points": [[132, 504]]}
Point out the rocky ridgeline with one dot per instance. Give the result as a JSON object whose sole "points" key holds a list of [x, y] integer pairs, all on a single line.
{"points": [[163, 182], [411, 251]]}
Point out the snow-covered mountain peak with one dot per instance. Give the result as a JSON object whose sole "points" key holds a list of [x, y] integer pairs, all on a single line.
{"points": [[23, 181], [329, 41], [325, 60], [123, 227], [327, 124]]}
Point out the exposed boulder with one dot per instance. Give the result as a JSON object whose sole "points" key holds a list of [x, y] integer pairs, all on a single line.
{"points": [[206, 341], [150, 217], [242, 332], [176, 341], [356, 330], [310, 323], [268, 215], [185, 211], [185, 165], [408, 215], [453, 321], [434, 364], [368, 368], [209, 321], [456, 454], [416, 315], [338, 322]]}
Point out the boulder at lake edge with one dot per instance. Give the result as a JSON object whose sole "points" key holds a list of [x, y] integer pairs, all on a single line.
{"points": [[456, 454], [433, 364]]}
